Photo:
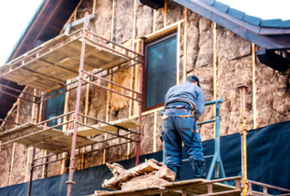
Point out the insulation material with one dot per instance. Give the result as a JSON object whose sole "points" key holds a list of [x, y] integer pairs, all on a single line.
{"points": [[94, 158], [147, 130], [53, 169], [20, 154], [123, 21], [231, 46], [205, 53], [231, 74], [97, 103], [192, 39], [118, 101], [159, 19], [273, 103], [159, 143], [5, 163], [234, 69], [138, 177], [103, 23], [122, 78], [19, 164], [144, 23], [174, 13], [37, 173]]}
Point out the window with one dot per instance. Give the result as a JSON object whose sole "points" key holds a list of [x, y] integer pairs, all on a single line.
{"points": [[160, 70], [55, 107]]}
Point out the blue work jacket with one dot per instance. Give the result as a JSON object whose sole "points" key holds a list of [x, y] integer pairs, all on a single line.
{"points": [[189, 92]]}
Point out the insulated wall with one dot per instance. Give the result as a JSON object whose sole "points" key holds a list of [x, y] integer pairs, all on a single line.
{"points": [[218, 57]]}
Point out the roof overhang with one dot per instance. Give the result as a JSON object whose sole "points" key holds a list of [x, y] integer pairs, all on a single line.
{"points": [[269, 38]]}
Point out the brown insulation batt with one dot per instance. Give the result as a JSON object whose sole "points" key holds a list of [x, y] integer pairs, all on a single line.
{"points": [[234, 69], [147, 129], [273, 103], [53, 169], [103, 23], [192, 39], [138, 176], [5, 163], [174, 13], [159, 19], [20, 155], [144, 17], [124, 12]]}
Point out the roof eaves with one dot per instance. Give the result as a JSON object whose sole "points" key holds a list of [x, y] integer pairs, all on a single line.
{"points": [[26, 29], [273, 23]]}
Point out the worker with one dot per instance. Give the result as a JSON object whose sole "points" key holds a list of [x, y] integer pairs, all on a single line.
{"points": [[184, 104]]}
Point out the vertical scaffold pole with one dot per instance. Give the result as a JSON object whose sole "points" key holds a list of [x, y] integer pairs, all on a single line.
{"points": [[243, 140], [140, 103], [82, 58], [33, 149]]}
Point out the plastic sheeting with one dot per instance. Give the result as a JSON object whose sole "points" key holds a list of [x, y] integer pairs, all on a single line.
{"points": [[268, 162]]}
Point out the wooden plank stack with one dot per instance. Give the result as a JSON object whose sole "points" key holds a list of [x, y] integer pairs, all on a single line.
{"points": [[149, 173]]}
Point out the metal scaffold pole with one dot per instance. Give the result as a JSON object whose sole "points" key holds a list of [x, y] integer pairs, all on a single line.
{"points": [[140, 103], [243, 140], [33, 150], [82, 57]]}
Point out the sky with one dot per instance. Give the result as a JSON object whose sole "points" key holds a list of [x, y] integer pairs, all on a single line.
{"points": [[14, 18], [14, 21]]}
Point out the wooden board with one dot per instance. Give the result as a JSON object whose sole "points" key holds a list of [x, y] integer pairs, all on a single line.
{"points": [[53, 140], [59, 62], [193, 187], [125, 123]]}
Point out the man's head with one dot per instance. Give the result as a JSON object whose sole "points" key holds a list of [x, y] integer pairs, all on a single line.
{"points": [[193, 79]]}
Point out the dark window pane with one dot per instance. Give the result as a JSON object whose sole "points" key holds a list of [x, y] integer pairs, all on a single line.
{"points": [[55, 107], [161, 70], [169, 53], [154, 60], [154, 92], [169, 80]]}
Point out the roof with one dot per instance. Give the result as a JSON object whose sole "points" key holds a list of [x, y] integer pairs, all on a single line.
{"points": [[276, 23], [270, 34]]}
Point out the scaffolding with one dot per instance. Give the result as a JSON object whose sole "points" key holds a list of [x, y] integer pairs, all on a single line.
{"points": [[75, 53]]}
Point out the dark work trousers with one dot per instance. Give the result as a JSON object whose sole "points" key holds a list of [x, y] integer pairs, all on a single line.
{"points": [[178, 126]]}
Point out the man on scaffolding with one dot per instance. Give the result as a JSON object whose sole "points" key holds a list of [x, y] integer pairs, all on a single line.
{"points": [[184, 104]]}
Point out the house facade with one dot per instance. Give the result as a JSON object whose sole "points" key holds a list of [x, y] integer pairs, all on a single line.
{"points": [[179, 41]]}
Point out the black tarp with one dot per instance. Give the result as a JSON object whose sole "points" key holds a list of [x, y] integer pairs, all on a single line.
{"points": [[268, 162]]}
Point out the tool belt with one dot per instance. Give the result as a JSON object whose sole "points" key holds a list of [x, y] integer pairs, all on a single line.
{"points": [[180, 107]]}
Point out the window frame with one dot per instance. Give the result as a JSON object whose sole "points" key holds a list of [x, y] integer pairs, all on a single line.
{"points": [[148, 44]]}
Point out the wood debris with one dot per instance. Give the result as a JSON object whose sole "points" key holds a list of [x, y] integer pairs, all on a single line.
{"points": [[149, 173]]}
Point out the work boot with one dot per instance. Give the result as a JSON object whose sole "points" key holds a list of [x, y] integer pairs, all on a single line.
{"points": [[198, 168], [177, 173]]}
